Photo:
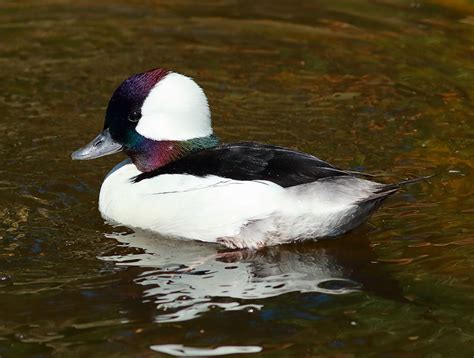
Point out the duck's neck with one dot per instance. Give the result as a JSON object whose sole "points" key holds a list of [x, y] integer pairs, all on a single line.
{"points": [[148, 155]]}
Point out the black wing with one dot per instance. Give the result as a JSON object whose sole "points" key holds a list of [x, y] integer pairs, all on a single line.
{"points": [[251, 161]]}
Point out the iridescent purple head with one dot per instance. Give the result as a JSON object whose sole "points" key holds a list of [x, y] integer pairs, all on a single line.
{"points": [[150, 116], [125, 106]]}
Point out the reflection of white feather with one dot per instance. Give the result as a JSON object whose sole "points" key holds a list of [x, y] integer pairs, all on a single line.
{"points": [[236, 213], [186, 279], [178, 350]]}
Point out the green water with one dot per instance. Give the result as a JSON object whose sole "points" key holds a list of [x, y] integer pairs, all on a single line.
{"points": [[384, 86]]}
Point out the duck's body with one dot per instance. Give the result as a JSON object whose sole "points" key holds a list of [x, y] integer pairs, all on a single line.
{"points": [[243, 195], [239, 195]]}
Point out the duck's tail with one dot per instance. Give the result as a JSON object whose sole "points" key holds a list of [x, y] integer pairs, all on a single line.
{"points": [[386, 190], [399, 185]]}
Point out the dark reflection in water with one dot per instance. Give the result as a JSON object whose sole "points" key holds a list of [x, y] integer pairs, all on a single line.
{"points": [[185, 278]]}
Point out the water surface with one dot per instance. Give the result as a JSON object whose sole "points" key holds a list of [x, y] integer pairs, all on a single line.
{"points": [[383, 86]]}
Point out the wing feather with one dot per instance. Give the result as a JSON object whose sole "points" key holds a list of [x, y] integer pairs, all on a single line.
{"points": [[251, 161]]}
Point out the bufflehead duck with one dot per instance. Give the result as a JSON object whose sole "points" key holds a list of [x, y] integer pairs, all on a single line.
{"points": [[180, 181]]}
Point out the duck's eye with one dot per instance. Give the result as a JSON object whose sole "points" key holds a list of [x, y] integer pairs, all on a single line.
{"points": [[134, 116]]}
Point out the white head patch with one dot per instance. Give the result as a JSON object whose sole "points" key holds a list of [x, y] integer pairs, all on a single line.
{"points": [[175, 109]]}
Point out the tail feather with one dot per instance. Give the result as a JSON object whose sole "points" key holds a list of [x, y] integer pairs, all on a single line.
{"points": [[386, 190], [405, 182]]}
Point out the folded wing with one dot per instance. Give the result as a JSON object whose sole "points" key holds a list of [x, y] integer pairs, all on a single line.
{"points": [[251, 161]]}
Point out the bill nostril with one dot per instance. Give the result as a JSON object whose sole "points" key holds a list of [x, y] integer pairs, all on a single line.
{"points": [[100, 142]]}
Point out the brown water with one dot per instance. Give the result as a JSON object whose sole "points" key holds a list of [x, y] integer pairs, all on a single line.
{"points": [[384, 86]]}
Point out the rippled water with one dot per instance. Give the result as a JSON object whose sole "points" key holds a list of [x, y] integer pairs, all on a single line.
{"points": [[384, 86]]}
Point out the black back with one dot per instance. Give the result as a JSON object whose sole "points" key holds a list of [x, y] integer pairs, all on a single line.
{"points": [[250, 161]]}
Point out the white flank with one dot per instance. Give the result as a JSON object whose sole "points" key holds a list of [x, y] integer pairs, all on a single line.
{"points": [[175, 109], [238, 214], [186, 206]]}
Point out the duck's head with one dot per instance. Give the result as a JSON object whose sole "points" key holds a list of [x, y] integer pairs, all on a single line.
{"points": [[155, 117]]}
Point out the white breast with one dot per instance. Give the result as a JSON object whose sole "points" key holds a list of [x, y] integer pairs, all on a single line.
{"points": [[184, 205]]}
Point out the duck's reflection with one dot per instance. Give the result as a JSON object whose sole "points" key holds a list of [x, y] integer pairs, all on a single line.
{"points": [[187, 278]]}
